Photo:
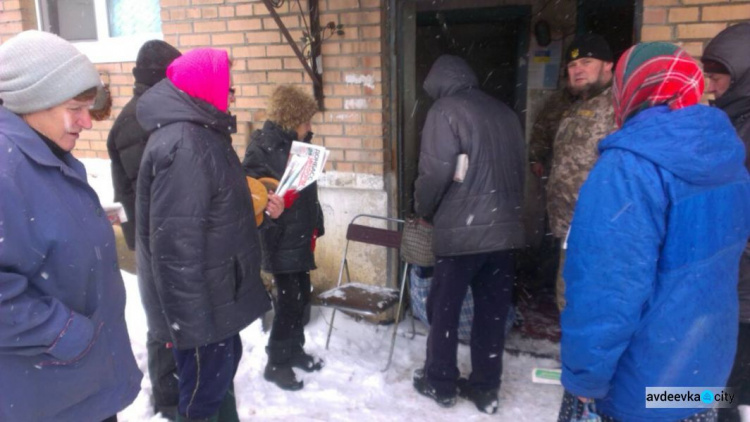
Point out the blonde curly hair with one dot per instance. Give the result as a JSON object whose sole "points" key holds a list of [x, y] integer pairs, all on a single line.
{"points": [[289, 106]]}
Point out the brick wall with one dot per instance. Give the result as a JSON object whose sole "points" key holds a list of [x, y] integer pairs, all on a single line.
{"points": [[691, 23], [11, 19], [119, 76], [352, 124]]}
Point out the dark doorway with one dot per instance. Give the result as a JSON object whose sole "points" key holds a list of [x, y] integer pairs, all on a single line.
{"points": [[492, 40], [613, 19], [495, 41]]}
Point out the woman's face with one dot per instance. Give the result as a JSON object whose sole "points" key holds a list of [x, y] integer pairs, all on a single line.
{"points": [[63, 123], [303, 129]]}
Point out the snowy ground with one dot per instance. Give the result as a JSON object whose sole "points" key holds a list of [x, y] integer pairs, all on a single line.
{"points": [[351, 386]]}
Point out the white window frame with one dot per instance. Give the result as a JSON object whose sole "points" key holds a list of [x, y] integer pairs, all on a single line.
{"points": [[108, 49]]}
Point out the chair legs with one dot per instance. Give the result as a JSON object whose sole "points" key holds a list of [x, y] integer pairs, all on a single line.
{"points": [[398, 316], [330, 327], [399, 310]]}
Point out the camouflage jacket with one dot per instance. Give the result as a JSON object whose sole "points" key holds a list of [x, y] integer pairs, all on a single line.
{"points": [[545, 127], [582, 126]]}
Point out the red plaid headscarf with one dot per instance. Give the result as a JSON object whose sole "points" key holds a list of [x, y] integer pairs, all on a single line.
{"points": [[655, 73]]}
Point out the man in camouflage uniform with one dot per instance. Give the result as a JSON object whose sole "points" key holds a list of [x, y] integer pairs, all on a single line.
{"points": [[544, 130], [589, 119]]}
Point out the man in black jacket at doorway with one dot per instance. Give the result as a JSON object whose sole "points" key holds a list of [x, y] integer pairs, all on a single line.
{"points": [[477, 222]]}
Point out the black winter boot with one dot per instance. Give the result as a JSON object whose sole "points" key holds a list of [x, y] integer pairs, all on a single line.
{"points": [[305, 362], [485, 400], [228, 408], [214, 418], [279, 368], [302, 360], [423, 387]]}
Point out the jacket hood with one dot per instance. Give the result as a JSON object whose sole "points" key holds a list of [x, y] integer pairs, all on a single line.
{"points": [[730, 48], [697, 144], [203, 73], [448, 75], [164, 104]]}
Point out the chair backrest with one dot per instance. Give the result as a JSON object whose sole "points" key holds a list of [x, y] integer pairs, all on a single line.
{"points": [[374, 235]]}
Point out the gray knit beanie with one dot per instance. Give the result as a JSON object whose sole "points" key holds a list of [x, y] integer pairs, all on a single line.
{"points": [[39, 70]]}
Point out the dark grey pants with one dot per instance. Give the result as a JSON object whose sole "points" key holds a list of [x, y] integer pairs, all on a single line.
{"points": [[490, 276]]}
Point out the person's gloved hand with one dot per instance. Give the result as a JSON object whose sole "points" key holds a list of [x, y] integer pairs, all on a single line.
{"points": [[289, 197]]}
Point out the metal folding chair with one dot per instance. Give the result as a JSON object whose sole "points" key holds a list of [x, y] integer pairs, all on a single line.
{"points": [[365, 299]]}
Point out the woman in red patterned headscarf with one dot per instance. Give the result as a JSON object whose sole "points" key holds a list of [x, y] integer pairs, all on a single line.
{"points": [[652, 74], [654, 247]]}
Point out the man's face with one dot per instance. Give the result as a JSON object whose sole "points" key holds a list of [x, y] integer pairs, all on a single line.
{"points": [[63, 123], [718, 83], [586, 73]]}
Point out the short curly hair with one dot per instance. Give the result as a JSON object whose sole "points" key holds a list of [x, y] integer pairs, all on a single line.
{"points": [[289, 106]]}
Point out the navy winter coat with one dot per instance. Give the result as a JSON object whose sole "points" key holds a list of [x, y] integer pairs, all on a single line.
{"points": [[652, 262], [198, 247], [65, 353]]}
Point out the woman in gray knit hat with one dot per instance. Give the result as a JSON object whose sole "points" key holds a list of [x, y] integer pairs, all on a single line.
{"points": [[65, 353]]}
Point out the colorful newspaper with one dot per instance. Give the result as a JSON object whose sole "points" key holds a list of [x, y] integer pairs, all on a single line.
{"points": [[305, 165]]}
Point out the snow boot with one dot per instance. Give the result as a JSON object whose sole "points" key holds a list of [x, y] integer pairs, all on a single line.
{"points": [[302, 360], [306, 362], [485, 400], [423, 387], [283, 376], [228, 408], [214, 418], [279, 367]]}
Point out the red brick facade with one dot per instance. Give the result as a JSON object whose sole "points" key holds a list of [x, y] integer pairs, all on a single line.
{"points": [[352, 126], [692, 23]]}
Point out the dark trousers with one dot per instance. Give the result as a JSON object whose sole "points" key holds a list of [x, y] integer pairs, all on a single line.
{"points": [[739, 379], [206, 375], [292, 295], [162, 372], [490, 276]]}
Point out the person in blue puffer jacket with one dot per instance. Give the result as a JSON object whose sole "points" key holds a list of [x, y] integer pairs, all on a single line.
{"points": [[65, 353], [654, 246]]}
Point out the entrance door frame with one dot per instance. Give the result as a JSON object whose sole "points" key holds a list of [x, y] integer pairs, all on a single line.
{"points": [[401, 24]]}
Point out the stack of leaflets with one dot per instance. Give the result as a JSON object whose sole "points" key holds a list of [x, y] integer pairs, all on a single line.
{"points": [[305, 165]]}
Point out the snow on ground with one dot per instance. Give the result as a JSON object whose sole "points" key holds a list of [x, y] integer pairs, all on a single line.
{"points": [[352, 385]]}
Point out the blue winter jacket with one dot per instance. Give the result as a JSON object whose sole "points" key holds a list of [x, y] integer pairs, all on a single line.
{"points": [[65, 353], [652, 262]]}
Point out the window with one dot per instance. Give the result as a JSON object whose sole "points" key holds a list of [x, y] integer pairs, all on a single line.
{"points": [[104, 30]]}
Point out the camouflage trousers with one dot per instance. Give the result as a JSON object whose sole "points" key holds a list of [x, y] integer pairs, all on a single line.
{"points": [[560, 283]]}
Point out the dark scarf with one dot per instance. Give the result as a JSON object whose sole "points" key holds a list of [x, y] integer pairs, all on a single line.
{"points": [[59, 152]]}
